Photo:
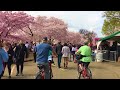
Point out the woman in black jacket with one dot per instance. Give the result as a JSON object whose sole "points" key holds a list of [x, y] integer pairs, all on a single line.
{"points": [[10, 60], [20, 53]]}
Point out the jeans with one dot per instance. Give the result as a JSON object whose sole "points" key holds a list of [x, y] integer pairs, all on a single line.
{"points": [[1, 74], [46, 68], [59, 59]]}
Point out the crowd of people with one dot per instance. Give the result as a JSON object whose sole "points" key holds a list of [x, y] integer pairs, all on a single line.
{"points": [[65, 51], [13, 53], [42, 52]]}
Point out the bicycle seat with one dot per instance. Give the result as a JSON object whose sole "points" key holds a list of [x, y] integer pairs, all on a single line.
{"points": [[40, 66]]}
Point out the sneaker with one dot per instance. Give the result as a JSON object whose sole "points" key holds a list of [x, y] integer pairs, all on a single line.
{"points": [[22, 74], [59, 67], [17, 74], [66, 67], [9, 77]]}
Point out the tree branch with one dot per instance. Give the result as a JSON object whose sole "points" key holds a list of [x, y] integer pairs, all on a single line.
{"points": [[30, 31]]}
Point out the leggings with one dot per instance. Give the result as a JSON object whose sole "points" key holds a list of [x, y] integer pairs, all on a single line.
{"points": [[17, 65]]}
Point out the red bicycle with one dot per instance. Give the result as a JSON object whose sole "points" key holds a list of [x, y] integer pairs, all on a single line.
{"points": [[50, 71], [41, 72], [85, 73]]}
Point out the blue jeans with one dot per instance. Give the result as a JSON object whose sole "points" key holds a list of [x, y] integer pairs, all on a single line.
{"points": [[59, 59]]}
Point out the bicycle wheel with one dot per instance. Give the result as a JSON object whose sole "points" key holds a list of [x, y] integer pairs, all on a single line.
{"points": [[89, 73], [38, 76], [80, 76]]}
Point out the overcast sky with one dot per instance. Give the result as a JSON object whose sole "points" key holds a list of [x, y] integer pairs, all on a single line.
{"points": [[91, 20]]}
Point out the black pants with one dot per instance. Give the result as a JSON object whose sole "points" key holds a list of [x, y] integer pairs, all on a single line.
{"points": [[34, 55], [20, 64], [86, 64], [9, 67], [4, 65]]}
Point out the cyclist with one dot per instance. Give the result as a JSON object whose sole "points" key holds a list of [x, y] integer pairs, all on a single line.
{"points": [[85, 55], [42, 56]]}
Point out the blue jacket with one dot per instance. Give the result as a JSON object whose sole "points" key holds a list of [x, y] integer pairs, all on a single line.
{"points": [[42, 53], [3, 58]]}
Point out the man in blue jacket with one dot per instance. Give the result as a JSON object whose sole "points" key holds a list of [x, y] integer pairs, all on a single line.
{"points": [[42, 56], [3, 58]]}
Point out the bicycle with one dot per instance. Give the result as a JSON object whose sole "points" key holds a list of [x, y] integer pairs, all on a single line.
{"points": [[41, 72], [51, 73], [85, 73]]}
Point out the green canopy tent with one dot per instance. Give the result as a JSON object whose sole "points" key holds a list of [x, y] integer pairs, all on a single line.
{"points": [[115, 36]]}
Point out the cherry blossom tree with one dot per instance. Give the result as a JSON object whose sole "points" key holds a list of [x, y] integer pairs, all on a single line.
{"points": [[74, 37], [12, 23], [52, 27]]}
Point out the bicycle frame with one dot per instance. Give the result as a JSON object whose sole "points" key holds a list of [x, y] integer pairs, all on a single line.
{"points": [[51, 74], [40, 74], [84, 72]]}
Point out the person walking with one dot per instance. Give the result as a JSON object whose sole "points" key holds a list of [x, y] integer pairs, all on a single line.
{"points": [[70, 46], [65, 52], [6, 48], [20, 53], [27, 47], [34, 51], [3, 58], [73, 51], [59, 53], [10, 60]]}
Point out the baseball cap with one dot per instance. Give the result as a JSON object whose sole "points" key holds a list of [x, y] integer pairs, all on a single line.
{"points": [[45, 38]]}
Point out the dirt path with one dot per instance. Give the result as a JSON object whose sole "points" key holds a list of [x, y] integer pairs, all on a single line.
{"points": [[106, 70]]}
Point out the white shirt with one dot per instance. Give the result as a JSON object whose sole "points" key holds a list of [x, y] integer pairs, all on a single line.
{"points": [[26, 45], [65, 51], [74, 49]]}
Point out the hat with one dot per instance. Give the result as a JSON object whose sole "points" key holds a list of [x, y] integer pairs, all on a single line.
{"points": [[86, 43], [45, 38]]}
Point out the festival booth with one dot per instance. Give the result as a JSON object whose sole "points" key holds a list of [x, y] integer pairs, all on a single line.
{"points": [[108, 48]]}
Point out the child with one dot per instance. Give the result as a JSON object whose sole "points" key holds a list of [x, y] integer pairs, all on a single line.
{"points": [[50, 57]]}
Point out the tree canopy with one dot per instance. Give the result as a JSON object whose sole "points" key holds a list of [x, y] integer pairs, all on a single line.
{"points": [[111, 22]]}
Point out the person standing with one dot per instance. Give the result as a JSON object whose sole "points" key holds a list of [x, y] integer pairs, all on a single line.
{"points": [[6, 48], [20, 53], [70, 46], [3, 58], [27, 46], [65, 52], [73, 51], [34, 52], [42, 56], [59, 53]]}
